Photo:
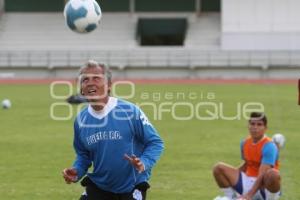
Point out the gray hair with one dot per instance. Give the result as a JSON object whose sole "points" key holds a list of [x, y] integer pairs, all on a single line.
{"points": [[93, 63]]}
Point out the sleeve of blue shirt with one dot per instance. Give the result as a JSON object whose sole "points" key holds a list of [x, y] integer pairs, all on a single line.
{"points": [[82, 162], [242, 149], [270, 154], [147, 134]]}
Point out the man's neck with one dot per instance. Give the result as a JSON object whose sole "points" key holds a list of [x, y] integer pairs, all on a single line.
{"points": [[99, 105], [256, 140]]}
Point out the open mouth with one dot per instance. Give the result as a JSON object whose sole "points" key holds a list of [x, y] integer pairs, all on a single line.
{"points": [[91, 91]]}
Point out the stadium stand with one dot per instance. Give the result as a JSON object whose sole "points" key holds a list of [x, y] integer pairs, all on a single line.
{"points": [[28, 31], [204, 32], [27, 41]]}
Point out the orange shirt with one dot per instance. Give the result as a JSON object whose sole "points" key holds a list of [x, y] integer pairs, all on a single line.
{"points": [[254, 153]]}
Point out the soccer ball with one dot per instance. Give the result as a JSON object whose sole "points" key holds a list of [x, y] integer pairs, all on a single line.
{"points": [[82, 16], [6, 104], [279, 139]]}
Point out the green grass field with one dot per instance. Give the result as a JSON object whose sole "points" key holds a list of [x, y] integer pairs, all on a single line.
{"points": [[35, 148]]}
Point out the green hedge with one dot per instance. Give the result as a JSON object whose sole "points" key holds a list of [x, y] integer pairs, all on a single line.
{"points": [[165, 5]]}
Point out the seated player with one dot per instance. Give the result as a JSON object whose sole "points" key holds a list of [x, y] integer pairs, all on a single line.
{"points": [[258, 176]]}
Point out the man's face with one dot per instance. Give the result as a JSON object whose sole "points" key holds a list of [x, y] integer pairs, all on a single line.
{"points": [[257, 128], [94, 85]]}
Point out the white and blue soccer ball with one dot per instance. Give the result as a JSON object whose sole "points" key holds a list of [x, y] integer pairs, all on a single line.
{"points": [[6, 104], [82, 16], [279, 139]]}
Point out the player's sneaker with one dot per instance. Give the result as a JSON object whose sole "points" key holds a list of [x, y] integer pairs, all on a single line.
{"points": [[222, 198]]}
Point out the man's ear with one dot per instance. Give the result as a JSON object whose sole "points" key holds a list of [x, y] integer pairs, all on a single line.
{"points": [[78, 79], [109, 85]]}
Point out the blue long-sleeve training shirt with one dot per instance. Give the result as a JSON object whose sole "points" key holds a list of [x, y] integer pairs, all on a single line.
{"points": [[103, 138]]}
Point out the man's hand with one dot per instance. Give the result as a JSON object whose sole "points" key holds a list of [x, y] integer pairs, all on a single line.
{"points": [[244, 197], [136, 162], [247, 196], [70, 175]]}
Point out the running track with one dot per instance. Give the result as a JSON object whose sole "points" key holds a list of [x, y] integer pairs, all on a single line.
{"points": [[164, 81]]}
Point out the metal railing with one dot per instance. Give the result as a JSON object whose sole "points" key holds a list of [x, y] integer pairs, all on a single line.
{"points": [[151, 57]]}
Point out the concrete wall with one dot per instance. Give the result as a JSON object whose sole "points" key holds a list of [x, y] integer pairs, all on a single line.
{"points": [[261, 24], [1, 6]]}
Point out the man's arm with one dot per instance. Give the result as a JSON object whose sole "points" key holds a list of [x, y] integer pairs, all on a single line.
{"points": [[242, 167], [82, 162], [147, 134], [259, 181]]}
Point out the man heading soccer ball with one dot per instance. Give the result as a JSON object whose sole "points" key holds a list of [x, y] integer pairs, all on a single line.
{"points": [[258, 176], [114, 136]]}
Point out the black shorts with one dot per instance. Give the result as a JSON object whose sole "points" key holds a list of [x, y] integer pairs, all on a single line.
{"points": [[95, 193]]}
